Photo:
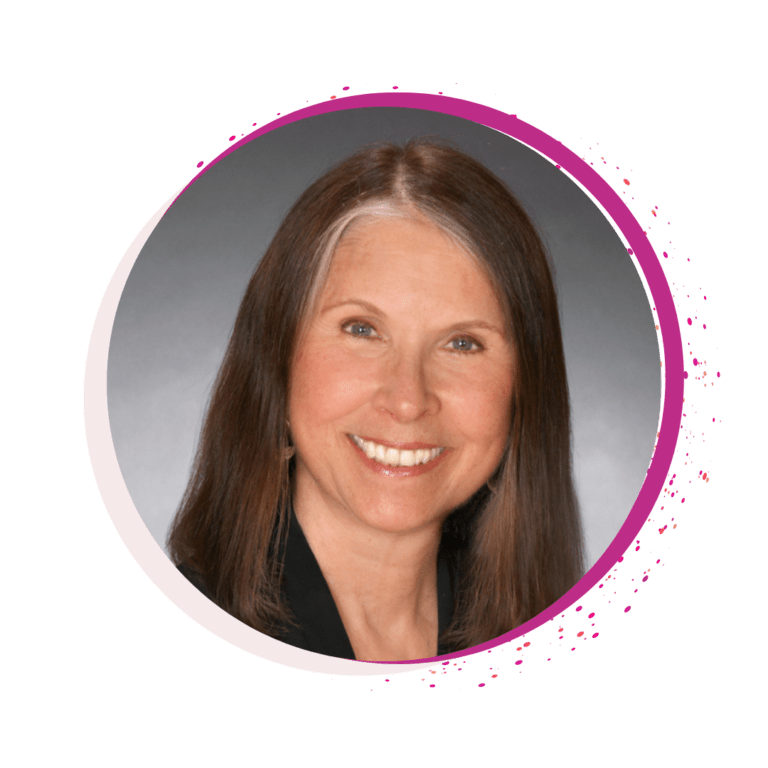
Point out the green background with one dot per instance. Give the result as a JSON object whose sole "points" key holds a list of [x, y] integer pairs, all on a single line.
{"points": [[107, 111]]}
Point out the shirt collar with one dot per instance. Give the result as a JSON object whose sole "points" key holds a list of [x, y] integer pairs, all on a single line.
{"points": [[319, 627]]}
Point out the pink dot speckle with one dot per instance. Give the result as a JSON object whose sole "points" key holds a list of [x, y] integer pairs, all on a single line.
{"points": [[482, 685], [345, 88], [695, 361], [627, 609], [200, 164], [518, 662], [689, 321], [394, 87], [665, 255], [232, 138]]}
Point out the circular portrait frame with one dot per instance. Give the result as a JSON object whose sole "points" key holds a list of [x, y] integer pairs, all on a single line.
{"points": [[154, 561]]}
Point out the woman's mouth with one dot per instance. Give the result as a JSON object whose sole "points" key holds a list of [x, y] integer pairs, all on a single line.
{"points": [[389, 456]]}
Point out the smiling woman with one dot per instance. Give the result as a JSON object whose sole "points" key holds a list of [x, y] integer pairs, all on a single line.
{"points": [[384, 471]]}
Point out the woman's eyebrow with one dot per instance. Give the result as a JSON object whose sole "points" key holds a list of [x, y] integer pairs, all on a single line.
{"points": [[468, 325], [366, 305]]}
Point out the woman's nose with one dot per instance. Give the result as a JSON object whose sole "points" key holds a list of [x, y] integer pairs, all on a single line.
{"points": [[405, 390]]}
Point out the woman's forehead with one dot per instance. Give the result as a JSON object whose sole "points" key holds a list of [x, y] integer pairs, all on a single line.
{"points": [[402, 231], [389, 219], [403, 260]]}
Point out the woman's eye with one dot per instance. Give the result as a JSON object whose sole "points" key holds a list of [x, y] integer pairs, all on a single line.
{"points": [[360, 330], [464, 344]]}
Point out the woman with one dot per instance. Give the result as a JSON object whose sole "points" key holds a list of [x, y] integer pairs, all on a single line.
{"points": [[384, 471]]}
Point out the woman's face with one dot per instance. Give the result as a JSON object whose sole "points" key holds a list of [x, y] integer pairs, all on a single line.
{"points": [[400, 392]]}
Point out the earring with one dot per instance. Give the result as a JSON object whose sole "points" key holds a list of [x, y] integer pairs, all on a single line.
{"points": [[290, 451]]}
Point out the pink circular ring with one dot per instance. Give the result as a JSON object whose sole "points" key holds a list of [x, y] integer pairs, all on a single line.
{"points": [[651, 268]]}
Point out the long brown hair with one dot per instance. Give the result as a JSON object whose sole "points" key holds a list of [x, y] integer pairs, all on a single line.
{"points": [[520, 535]]}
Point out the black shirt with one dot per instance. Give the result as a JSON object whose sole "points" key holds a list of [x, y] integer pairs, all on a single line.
{"points": [[319, 627]]}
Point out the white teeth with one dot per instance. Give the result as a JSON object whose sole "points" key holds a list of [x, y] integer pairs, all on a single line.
{"points": [[393, 457]]}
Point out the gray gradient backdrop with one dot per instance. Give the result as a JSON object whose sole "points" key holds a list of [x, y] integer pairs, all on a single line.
{"points": [[181, 298]]}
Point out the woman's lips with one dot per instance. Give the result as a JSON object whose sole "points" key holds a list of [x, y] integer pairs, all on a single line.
{"points": [[397, 459]]}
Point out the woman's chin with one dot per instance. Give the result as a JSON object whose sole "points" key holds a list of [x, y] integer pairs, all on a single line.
{"points": [[388, 518]]}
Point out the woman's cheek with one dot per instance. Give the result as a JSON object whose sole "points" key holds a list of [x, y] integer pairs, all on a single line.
{"points": [[481, 403], [334, 381]]}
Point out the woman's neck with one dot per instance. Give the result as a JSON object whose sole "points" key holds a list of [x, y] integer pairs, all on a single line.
{"points": [[384, 584]]}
